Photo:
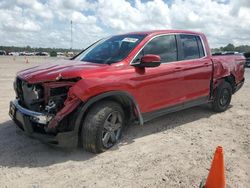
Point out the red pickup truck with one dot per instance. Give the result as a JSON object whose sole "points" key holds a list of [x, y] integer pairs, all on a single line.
{"points": [[134, 77]]}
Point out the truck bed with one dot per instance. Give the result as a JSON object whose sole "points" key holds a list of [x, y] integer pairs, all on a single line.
{"points": [[225, 63]]}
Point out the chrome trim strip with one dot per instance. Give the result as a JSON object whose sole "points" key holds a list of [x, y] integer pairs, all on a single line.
{"points": [[35, 116], [203, 45]]}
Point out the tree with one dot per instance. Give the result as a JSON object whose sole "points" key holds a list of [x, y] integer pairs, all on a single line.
{"points": [[242, 48], [229, 47], [53, 54]]}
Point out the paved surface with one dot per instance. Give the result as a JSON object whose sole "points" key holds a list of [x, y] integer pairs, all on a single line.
{"points": [[172, 151]]}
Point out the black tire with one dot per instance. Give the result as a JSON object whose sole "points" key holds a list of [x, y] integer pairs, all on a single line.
{"points": [[222, 98], [99, 133]]}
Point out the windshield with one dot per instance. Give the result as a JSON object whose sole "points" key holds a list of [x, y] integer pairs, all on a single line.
{"points": [[111, 50]]}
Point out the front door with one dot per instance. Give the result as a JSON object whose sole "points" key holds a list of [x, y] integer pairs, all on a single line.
{"points": [[162, 86]]}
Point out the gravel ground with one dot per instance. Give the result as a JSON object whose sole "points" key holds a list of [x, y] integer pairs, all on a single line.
{"points": [[172, 151]]}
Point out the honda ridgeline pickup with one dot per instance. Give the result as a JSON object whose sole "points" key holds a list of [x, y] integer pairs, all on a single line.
{"points": [[134, 77]]}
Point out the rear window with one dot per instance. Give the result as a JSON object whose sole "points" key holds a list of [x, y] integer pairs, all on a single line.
{"points": [[191, 46]]}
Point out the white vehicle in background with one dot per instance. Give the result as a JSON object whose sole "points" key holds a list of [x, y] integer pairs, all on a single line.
{"points": [[60, 54], [27, 53], [70, 54], [13, 53]]}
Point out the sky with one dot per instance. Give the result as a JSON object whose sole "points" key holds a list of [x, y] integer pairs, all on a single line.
{"points": [[46, 23]]}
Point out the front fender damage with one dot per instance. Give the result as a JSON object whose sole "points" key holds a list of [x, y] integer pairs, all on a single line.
{"points": [[74, 98], [69, 106]]}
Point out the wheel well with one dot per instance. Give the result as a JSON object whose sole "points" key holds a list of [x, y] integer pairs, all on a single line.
{"points": [[231, 80], [126, 103]]}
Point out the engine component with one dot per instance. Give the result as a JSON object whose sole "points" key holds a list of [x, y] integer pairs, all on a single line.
{"points": [[50, 107]]}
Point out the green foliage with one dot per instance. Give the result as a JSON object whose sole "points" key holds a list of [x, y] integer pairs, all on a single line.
{"points": [[231, 47], [53, 54], [39, 49], [242, 48]]}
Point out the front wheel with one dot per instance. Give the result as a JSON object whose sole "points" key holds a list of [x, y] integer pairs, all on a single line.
{"points": [[102, 127], [223, 95]]}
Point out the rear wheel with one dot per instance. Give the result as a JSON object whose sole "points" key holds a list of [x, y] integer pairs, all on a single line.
{"points": [[223, 95], [102, 127]]}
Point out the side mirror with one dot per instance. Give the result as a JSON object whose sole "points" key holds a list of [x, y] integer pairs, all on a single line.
{"points": [[150, 60]]}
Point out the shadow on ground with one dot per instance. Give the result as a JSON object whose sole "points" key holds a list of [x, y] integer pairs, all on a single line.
{"points": [[16, 149]]}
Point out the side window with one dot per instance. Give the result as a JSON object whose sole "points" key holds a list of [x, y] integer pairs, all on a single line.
{"points": [[164, 46], [190, 47]]}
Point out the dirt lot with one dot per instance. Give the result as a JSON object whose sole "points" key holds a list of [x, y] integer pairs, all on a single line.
{"points": [[172, 151]]}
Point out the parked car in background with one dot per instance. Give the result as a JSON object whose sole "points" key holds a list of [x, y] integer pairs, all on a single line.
{"points": [[70, 54], [134, 77], [22, 53], [2, 52], [13, 53], [27, 53], [225, 53], [42, 54], [247, 56], [60, 54]]}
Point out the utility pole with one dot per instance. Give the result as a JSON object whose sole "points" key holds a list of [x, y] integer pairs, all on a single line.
{"points": [[71, 35]]}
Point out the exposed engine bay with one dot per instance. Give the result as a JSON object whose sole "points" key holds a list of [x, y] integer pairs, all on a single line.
{"points": [[46, 98]]}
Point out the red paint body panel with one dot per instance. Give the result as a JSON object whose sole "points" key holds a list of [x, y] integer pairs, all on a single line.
{"points": [[51, 70], [229, 64], [153, 88]]}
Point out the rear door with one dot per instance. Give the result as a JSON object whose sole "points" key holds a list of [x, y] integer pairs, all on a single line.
{"points": [[195, 66]]}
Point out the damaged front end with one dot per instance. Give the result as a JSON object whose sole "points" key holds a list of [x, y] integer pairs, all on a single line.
{"points": [[45, 110]]}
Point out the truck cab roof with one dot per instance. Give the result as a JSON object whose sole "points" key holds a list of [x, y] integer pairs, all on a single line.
{"points": [[171, 31]]}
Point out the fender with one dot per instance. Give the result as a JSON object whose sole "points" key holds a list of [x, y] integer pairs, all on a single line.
{"points": [[225, 66], [85, 106], [220, 70]]}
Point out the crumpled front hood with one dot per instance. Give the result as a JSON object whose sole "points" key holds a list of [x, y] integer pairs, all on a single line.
{"points": [[65, 69]]}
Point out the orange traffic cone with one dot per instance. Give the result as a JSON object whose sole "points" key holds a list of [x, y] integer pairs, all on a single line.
{"points": [[216, 177]]}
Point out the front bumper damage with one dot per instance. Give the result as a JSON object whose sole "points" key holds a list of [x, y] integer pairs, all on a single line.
{"points": [[27, 120], [36, 117]]}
